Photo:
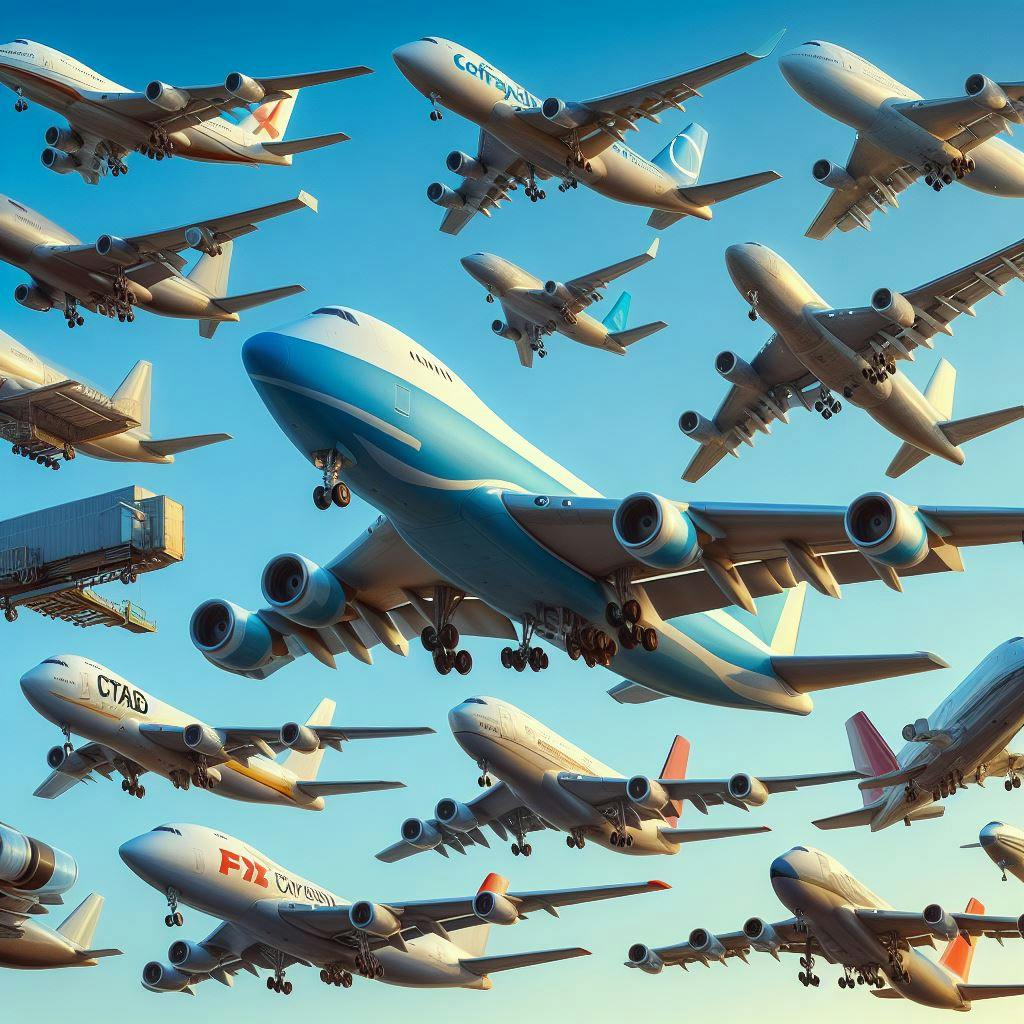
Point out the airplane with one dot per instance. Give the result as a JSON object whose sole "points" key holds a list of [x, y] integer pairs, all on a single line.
{"points": [[962, 742], [273, 918], [534, 308], [1004, 845], [132, 732], [901, 136], [523, 139], [106, 122], [113, 275], [838, 918], [481, 530], [546, 782], [817, 350], [33, 878], [51, 418]]}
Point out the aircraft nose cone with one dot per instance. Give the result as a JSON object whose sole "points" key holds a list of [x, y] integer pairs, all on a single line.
{"points": [[742, 261], [990, 834], [135, 854], [792, 65], [782, 867], [461, 719], [405, 57], [265, 355]]}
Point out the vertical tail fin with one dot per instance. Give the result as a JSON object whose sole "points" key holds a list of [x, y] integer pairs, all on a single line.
{"points": [[675, 768], [939, 391], [306, 766], [474, 940], [682, 158], [80, 925], [211, 272], [617, 319], [269, 121], [871, 754], [778, 618], [134, 395], [959, 953]]}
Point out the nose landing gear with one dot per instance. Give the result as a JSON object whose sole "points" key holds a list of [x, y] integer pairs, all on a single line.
{"points": [[435, 112], [333, 491], [174, 919], [1012, 781], [753, 299]]}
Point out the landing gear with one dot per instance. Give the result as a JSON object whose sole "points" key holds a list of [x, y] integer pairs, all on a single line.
{"points": [[10, 612], [568, 184], [120, 302], [174, 919], [130, 782], [129, 576], [332, 491], [435, 113], [621, 840], [484, 779], [442, 638], [938, 176], [574, 840], [160, 146], [827, 404], [71, 315], [20, 104], [1012, 781], [367, 964], [180, 779], [753, 299], [525, 655], [807, 976], [489, 298], [897, 968], [533, 193], [846, 981], [537, 341], [337, 976], [201, 777], [116, 166], [627, 618], [882, 366]]}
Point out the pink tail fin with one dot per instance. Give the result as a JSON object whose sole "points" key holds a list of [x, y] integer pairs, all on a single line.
{"points": [[675, 768], [959, 954], [871, 754]]}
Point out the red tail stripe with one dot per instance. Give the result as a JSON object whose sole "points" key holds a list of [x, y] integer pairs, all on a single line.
{"points": [[494, 883], [675, 768]]}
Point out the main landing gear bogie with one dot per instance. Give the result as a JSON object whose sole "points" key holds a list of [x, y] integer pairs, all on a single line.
{"points": [[369, 966], [442, 644], [627, 619], [521, 848], [807, 977], [575, 839], [47, 461], [520, 658], [279, 985], [132, 788], [337, 977], [1011, 782], [958, 168], [827, 404]]}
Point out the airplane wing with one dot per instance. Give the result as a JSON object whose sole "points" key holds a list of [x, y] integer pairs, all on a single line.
{"points": [[912, 926], [67, 411], [503, 169], [385, 584], [961, 120], [586, 289], [734, 945], [527, 330], [876, 179], [79, 766]]}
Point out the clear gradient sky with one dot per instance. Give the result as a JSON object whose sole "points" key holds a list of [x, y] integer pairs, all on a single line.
{"points": [[375, 246]]}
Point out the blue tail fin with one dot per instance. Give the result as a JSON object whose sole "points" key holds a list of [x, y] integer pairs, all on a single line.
{"points": [[681, 159], [778, 617], [617, 318]]}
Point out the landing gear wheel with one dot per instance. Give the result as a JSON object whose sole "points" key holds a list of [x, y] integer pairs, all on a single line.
{"points": [[444, 661], [10, 614], [631, 611], [463, 662], [449, 636], [536, 659], [428, 637], [177, 919], [613, 615], [340, 494], [321, 498], [650, 639], [506, 657]]}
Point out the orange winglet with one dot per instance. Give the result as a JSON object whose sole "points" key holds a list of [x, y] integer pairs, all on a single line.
{"points": [[657, 885], [494, 883]]}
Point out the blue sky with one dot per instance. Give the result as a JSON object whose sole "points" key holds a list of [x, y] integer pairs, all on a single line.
{"points": [[375, 246]]}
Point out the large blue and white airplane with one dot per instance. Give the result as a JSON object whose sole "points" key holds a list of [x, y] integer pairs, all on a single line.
{"points": [[484, 534]]}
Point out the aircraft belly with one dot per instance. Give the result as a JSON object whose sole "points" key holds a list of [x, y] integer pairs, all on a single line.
{"points": [[107, 124], [38, 948], [175, 297], [999, 169]]}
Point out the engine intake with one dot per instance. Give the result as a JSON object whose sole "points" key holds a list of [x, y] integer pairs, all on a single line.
{"points": [[736, 370], [59, 163], [192, 957], [494, 908], [117, 249], [893, 306], [917, 732], [244, 88], [654, 531], [442, 195], [762, 935], [557, 290], [831, 175], [230, 636], [645, 958], [201, 239], [748, 790], [31, 296], [464, 165], [32, 866], [887, 531], [420, 834], [158, 977], [565, 115], [940, 922], [166, 97], [702, 941], [299, 737], [63, 139], [646, 793], [303, 591], [204, 740], [698, 428], [502, 330], [986, 93], [373, 919], [455, 815]]}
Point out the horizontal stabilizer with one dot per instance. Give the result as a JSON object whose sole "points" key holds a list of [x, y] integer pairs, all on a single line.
{"points": [[905, 459], [698, 835], [972, 992], [628, 692], [175, 445], [718, 191], [238, 303], [899, 777], [97, 954], [660, 219], [288, 147], [635, 334], [926, 812], [849, 819], [962, 431], [344, 788], [482, 965], [807, 673], [885, 993]]}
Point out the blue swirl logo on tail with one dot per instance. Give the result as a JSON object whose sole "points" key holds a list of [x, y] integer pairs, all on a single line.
{"points": [[681, 159]]}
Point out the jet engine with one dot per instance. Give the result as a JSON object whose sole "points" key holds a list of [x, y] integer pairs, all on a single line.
{"points": [[420, 834], [230, 636], [166, 97], [192, 957], [940, 922], [117, 249], [565, 115], [59, 163], [831, 175], [29, 865], [749, 791], [887, 531], [893, 306], [158, 977], [1020, 925], [736, 370], [373, 919], [645, 958], [303, 591], [464, 165], [63, 139], [557, 290], [502, 330], [299, 737], [442, 195], [455, 815], [762, 935], [646, 793], [244, 88], [203, 740], [703, 942], [201, 239], [654, 531], [986, 93], [31, 296], [699, 428], [494, 908]]}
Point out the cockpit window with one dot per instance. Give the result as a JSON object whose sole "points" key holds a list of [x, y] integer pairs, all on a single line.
{"points": [[801, 849], [336, 311], [17, 206], [166, 828], [474, 700], [55, 661], [427, 39], [811, 43]]}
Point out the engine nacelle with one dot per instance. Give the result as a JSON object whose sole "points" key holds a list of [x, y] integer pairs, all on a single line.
{"points": [[1020, 925], [565, 115], [166, 97], [201, 239], [831, 175], [117, 249], [63, 139], [203, 740], [940, 922], [442, 195], [373, 919], [655, 532], [502, 330], [230, 636], [244, 88], [303, 591], [645, 958], [455, 815], [646, 793], [986, 93], [703, 942], [699, 428], [464, 165], [299, 737], [893, 306], [494, 908], [158, 977], [32, 866], [762, 936], [192, 957], [557, 290], [887, 531], [59, 163], [31, 296], [748, 790], [917, 732], [420, 834], [736, 370]]}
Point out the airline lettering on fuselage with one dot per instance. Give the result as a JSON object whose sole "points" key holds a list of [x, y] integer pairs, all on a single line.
{"points": [[122, 694], [300, 890], [510, 90], [252, 871]]}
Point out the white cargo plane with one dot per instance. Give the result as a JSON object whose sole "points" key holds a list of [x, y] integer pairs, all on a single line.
{"points": [[107, 121], [50, 417], [33, 878], [274, 918], [1004, 845], [523, 138], [900, 136], [535, 308], [840, 919], [817, 350], [132, 732], [963, 741], [113, 275], [546, 782]]}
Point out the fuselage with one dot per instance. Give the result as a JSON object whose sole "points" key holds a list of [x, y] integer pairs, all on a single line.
{"points": [[1004, 845], [852, 90], [421, 447], [92, 701], [39, 948]]}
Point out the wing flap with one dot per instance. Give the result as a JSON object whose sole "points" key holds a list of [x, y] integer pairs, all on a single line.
{"points": [[484, 965]]}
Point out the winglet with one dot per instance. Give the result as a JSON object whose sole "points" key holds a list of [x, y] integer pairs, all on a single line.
{"points": [[653, 250], [494, 883], [657, 885], [768, 45], [307, 200]]}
